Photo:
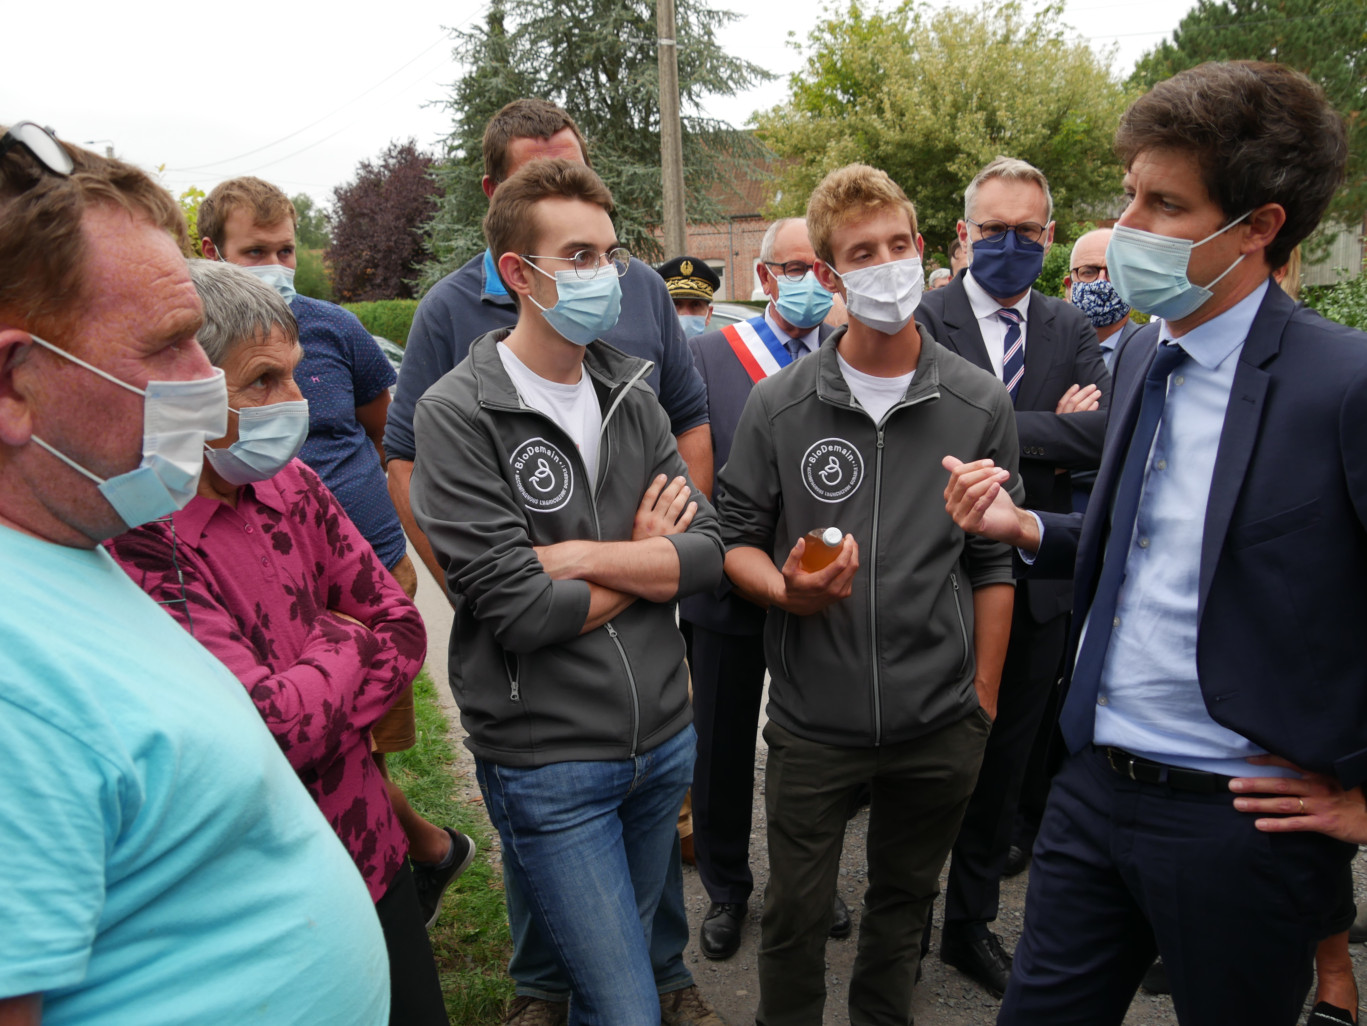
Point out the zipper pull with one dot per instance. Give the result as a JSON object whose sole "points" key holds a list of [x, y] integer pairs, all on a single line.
{"points": [[880, 438], [609, 628], [516, 694], [954, 580]]}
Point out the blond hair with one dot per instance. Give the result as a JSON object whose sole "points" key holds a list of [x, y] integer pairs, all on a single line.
{"points": [[849, 194]]}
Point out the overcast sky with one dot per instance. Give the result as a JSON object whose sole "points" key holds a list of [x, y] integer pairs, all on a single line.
{"points": [[298, 93]]}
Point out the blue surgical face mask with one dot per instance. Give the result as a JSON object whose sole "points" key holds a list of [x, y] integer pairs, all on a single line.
{"points": [[1100, 302], [277, 276], [1006, 267], [178, 417], [692, 324], [586, 307], [268, 437], [1150, 271], [803, 303]]}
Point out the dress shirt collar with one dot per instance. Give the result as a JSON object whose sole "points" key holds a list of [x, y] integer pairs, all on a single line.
{"points": [[985, 306], [192, 521], [809, 340], [1210, 344]]}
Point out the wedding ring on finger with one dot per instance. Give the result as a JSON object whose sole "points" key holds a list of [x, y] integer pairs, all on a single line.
{"points": [[1302, 804]]}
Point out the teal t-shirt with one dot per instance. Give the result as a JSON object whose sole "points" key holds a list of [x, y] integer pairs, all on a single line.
{"points": [[159, 860]]}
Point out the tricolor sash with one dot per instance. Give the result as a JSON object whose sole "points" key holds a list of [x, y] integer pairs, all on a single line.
{"points": [[757, 347]]}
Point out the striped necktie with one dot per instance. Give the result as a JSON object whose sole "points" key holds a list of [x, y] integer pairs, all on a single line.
{"points": [[1013, 351], [795, 347]]}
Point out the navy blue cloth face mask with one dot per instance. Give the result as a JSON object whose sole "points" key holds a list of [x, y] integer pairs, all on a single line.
{"points": [[1006, 266]]}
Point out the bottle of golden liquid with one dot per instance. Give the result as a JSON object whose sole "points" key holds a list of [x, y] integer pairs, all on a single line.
{"points": [[823, 545]]}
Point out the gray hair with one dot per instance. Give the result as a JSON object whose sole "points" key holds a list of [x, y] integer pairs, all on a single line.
{"points": [[766, 246], [1012, 170], [238, 307], [938, 274]]}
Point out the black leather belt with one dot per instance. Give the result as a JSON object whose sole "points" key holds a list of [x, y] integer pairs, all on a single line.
{"points": [[1146, 771]]}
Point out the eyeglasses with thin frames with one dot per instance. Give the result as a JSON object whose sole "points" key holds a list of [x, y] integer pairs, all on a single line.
{"points": [[1087, 272], [587, 261], [39, 143], [793, 270]]}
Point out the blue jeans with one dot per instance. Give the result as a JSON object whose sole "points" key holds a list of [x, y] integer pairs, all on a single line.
{"points": [[592, 848]]}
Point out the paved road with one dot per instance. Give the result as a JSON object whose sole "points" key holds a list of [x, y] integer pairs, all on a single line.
{"points": [[944, 998]]}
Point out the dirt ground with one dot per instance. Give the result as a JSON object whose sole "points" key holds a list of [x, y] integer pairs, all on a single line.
{"points": [[945, 996]]}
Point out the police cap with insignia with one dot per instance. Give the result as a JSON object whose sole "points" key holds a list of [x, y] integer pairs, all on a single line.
{"points": [[689, 278]]}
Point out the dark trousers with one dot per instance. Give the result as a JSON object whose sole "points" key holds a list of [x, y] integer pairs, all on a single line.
{"points": [[1122, 870], [919, 791], [1029, 677], [414, 990], [728, 681]]}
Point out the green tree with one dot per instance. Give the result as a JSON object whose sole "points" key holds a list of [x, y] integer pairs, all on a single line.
{"points": [[598, 60], [189, 201], [931, 96], [1325, 39], [312, 230]]}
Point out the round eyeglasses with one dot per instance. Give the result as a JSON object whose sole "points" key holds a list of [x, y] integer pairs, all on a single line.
{"points": [[1087, 272], [41, 144], [587, 261]]}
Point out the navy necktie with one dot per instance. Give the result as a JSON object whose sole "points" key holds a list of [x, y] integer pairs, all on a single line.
{"points": [[1013, 351], [1078, 718]]}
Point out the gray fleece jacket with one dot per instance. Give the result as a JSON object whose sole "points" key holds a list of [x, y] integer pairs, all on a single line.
{"points": [[895, 659], [493, 478]]}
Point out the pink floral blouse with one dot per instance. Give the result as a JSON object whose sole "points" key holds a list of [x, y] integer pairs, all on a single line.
{"points": [[260, 582]]}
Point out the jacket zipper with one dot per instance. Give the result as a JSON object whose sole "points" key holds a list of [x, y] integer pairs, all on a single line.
{"points": [[873, 561], [959, 610], [514, 679], [783, 647], [631, 679], [598, 536]]}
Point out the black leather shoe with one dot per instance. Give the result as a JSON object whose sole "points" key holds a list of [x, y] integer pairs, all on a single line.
{"points": [[719, 936], [978, 956], [1017, 858], [840, 924]]}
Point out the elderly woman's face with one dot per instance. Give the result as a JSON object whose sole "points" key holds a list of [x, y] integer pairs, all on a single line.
{"points": [[260, 372]]}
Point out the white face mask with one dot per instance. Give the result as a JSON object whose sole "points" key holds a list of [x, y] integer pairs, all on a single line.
{"points": [[178, 417], [268, 437], [884, 297]]}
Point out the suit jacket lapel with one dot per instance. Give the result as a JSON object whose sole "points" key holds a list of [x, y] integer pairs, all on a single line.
{"points": [[1240, 431], [962, 327], [1039, 328]]}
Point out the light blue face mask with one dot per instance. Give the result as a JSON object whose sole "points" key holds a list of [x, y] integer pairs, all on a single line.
{"points": [[178, 417], [277, 276], [1150, 271], [268, 437], [803, 303], [586, 307], [692, 324]]}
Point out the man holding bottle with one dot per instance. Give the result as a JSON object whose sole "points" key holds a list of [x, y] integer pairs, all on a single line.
{"points": [[884, 670]]}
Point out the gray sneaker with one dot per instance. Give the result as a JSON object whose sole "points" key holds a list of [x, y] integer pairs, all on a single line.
{"points": [[688, 1007], [531, 1011], [432, 878]]}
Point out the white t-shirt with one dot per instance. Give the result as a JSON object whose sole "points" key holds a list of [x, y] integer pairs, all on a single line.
{"points": [[573, 407], [877, 395]]}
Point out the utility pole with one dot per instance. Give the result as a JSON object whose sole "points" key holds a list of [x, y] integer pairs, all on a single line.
{"points": [[671, 131]]}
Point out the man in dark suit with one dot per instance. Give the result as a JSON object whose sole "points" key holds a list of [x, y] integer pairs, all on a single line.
{"points": [[1219, 585], [727, 654], [1046, 352]]}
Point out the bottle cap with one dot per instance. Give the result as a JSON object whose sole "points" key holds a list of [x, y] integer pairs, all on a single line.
{"points": [[831, 536]]}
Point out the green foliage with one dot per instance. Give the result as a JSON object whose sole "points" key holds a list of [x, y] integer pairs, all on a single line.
{"points": [[312, 230], [1325, 39], [931, 96], [1050, 280], [189, 201], [388, 318], [311, 274], [470, 939], [598, 60], [1345, 302]]}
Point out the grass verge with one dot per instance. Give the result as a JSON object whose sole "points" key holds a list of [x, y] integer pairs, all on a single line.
{"points": [[470, 940]]}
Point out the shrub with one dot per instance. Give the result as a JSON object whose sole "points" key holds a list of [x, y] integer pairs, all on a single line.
{"points": [[1345, 302], [311, 275], [388, 318]]}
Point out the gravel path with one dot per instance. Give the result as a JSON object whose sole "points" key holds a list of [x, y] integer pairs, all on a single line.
{"points": [[944, 998]]}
